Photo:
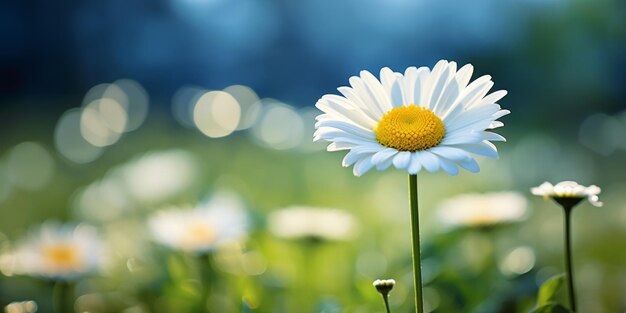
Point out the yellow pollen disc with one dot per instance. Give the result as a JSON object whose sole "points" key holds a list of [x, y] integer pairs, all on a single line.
{"points": [[61, 256], [200, 235], [410, 128]]}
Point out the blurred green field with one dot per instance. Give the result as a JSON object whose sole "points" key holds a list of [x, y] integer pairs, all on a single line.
{"points": [[494, 269]]}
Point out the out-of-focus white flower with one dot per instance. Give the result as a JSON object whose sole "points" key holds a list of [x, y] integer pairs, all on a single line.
{"points": [[203, 228], [568, 190], [61, 252], [310, 222], [474, 210], [28, 306], [159, 175]]}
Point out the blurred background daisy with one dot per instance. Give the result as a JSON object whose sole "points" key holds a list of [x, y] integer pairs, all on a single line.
{"points": [[212, 224], [481, 210], [59, 252], [301, 222]]}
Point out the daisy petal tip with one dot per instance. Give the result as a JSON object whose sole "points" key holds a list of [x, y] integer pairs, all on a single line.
{"points": [[386, 69]]}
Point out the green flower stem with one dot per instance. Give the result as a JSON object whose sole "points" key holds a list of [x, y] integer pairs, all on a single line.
{"points": [[61, 291], [386, 299], [207, 278], [568, 258], [415, 234]]}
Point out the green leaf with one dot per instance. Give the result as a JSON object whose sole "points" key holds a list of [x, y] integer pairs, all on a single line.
{"points": [[551, 308], [549, 289]]}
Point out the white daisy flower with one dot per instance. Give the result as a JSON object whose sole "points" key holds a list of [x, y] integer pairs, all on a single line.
{"points": [[58, 251], [568, 192], [475, 210], [420, 119], [200, 229], [299, 222]]}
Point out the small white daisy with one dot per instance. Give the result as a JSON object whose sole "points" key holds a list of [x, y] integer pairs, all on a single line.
{"points": [[299, 222], [58, 251], [569, 191], [475, 210], [203, 228], [419, 119]]}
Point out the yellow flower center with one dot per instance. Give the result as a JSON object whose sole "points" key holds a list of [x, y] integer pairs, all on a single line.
{"points": [[482, 218], [410, 128], [61, 256], [199, 235]]}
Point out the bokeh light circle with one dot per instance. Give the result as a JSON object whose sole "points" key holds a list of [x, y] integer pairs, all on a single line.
{"points": [[249, 103], [102, 122], [279, 126], [29, 166], [217, 114], [70, 143]]}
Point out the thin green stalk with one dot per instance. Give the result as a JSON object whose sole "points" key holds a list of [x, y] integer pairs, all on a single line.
{"points": [[415, 236], [60, 293], [568, 258], [207, 277], [386, 299]]}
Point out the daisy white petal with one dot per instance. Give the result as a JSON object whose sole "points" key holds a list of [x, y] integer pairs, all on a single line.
{"points": [[352, 96], [387, 78], [383, 155], [451, 153], [384, 165], [491, 136], [376, 90], [438, 78], [429, 161], [464, 75], [494, 97], [448, 166], [363, 91], [419, 85], [396, 94], [470, 165], [474, 90], [461, 138], [474, 119], [495, 124], [358, 153], [347, 127], [415, 166], [362, 166], [339, 106], [484, 148], [402, 160]]}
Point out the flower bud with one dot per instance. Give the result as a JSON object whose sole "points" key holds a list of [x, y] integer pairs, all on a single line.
{"points": [[384, 286]]}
